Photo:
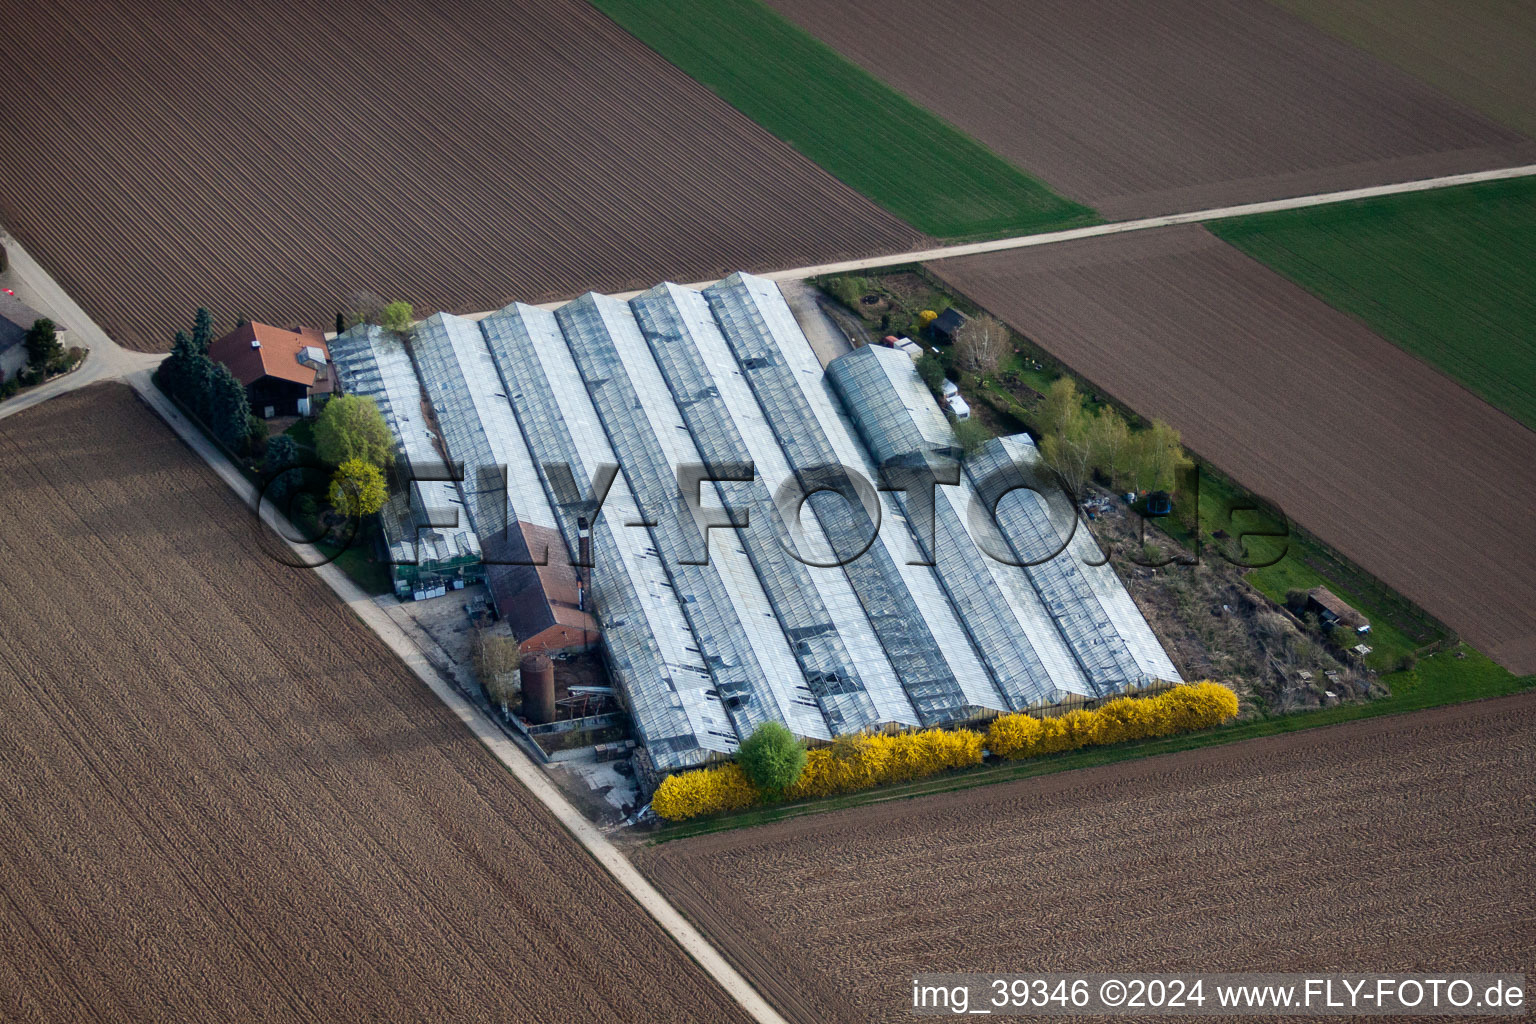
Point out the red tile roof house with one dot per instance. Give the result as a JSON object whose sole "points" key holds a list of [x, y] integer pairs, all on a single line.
{"points": [[282, 370]]}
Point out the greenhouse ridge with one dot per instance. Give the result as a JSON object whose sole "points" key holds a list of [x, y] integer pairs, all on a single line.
{"points": [[707, 649]]}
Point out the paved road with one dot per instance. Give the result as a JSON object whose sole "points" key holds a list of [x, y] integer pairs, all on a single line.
{"points": [[108, 361]]}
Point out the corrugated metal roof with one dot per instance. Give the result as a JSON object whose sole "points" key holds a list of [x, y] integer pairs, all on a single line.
{"points": [[707, 650]]}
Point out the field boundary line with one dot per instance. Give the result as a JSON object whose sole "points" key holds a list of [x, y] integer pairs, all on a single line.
{"points": [[1120, 227], [668, 917]]}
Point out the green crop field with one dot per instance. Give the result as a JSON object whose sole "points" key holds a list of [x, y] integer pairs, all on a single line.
{"points": [[921, 168], [1449, 275]]}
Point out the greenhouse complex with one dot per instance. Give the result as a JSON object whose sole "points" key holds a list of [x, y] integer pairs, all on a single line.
{"points": [[849, 595]]}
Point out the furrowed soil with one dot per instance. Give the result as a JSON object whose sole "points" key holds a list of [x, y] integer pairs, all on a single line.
{"points": [[1394, 844], [1479, 51], [1402, 470], [224, 799], [271, 161], [1141, 109]]}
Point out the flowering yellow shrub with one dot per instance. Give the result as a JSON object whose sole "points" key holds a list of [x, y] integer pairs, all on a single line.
{"points": [[1198, 706], [859, 762], [1010, 735], [706, 791], [1181, 709]]}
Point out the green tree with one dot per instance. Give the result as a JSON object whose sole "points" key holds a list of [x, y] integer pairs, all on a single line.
{"points": [[202, 331], [1061, 411], [1109, 442], [229, 411], [1157, 456], [1071, 456], [175, 373], [972, 434], [43, 345], [1065, 444], [397, 316], [341, 322], [772, 758], [351, 427], [931, 369], [282, 454], [200, 387], [357, 489], [256, 434]]}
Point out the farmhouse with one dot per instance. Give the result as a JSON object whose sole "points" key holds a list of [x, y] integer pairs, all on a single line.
{"points": [[532, 406], [282, 370], [16, 318]]}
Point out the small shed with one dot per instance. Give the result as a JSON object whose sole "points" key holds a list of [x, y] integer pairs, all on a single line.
{"points": [[947, 324], [1332, 610]]}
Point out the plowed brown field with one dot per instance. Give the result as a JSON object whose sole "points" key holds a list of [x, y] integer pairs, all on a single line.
{"points": [[1140, 109], [1398, 843], [1413, 477], [270, 160], [223, 799]]}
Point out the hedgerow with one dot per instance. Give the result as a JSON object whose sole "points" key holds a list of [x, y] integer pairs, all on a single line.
{"points": [[1181, 709], [707, 791], [861, 762]]}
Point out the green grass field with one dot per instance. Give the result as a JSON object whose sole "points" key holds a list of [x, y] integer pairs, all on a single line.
{"points": [[933, 176], [1449, 275]]}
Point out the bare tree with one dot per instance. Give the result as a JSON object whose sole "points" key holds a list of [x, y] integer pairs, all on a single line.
{"points": [[982, 344], [496, 659]]}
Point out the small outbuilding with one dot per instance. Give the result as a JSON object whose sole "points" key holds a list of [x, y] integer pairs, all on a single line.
{"points": [[946, 324], [1333, 611], [283, 371], [544, 603]]}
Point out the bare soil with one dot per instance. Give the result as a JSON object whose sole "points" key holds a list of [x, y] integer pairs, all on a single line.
{"points": [[224, 799], [1402, 470], [1394, 844], [271, 162], [1141, 109], [1215, 625], [1479, 51]]}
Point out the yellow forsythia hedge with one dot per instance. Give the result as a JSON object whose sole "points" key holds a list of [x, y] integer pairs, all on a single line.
{"points": [[707, 791], [860, 762], [1181, 709]]}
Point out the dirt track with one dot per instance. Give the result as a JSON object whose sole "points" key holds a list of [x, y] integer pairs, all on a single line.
{"points": [[272, 160], [1413, 477], [1141, 109], [223, 799], [1398, 843]]}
